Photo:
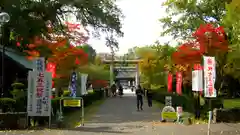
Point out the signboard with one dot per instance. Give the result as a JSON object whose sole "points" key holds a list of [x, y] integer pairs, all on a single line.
{"points": [[168, 101], [39, 93], [39, 64], [169, 116], [72, 103], [169, 113], [83, 84], [197, 80], [209, 77], [179, 111]]}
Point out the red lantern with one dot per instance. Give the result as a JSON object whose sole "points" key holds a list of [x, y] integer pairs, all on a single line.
{"points": [[170, 82]]}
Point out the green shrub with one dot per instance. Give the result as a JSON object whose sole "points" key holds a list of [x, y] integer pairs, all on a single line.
{"points": [[10, 121], [20, 95], [7, 104], [187, 102], [66, 93], [184, 101], [17, 85], [88, 100]]}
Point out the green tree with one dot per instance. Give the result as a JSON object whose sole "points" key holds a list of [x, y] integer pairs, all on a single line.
{"points": [[185, 16], [29, 18], [232, 23], [90, 51]]}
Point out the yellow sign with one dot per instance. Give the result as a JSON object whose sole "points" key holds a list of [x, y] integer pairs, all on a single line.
{"points": [[72, 103], [169, 115]]}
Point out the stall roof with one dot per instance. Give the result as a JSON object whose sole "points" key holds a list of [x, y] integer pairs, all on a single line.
{"points": [[18, 57]]}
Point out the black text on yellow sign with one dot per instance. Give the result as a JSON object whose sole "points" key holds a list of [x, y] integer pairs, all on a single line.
{"points": [[72, 103], [169, 115]]}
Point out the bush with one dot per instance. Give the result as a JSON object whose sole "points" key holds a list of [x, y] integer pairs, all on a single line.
{"points": [[88, 100], [66, 93], [184, 101], [7, 104], [10, 121], [227, 115]]}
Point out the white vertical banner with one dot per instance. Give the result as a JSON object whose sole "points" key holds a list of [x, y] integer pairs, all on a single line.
{"points": [[209, 76], [197, 80], [39, 64], [46, 99], [31, 92], [39, 93], [83, 84]]}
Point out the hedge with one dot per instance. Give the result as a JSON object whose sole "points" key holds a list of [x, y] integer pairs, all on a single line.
{"points": [[185, 101], [11, 120], [9, 104], [88, 100]]}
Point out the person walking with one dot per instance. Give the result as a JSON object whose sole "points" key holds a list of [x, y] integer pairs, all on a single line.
{"points": [[149, 97], [139, 94], [120, 90], [113, 89]]}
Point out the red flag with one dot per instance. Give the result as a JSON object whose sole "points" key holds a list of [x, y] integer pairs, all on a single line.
{"points": [[197, 67], [170, 82], [51, 67], [179, 83]]}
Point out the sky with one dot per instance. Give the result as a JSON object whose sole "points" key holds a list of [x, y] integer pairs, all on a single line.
{"points": [[140, 25]]}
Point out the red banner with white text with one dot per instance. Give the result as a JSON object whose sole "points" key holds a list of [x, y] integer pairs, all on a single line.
{"points": [[179, 83], [170, 78]]}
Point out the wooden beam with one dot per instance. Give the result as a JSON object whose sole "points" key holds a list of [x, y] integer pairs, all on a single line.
{"points": [[125, 68], [121, 61]]}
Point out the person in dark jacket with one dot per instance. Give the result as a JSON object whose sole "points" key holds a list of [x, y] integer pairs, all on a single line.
{"points": [[139, 94], [114, 89], [120, 90], [149, 97]]}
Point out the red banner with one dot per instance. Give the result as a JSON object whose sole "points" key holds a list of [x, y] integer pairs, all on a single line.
{"points": [[179, 83], [51, 67], [198, 67], [170, 78]]}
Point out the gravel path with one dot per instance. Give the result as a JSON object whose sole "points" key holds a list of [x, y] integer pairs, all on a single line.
{"points": [[119, 116]]}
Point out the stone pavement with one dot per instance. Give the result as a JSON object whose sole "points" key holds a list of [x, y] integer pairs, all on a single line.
{"points": [[118, 116]]}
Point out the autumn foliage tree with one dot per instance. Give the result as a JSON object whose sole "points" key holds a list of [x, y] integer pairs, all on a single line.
{"points": [[65, 52], [208, 40]]}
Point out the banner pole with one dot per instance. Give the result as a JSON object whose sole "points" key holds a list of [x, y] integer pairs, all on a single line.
{"points": [[82, 112], [209, 117]]}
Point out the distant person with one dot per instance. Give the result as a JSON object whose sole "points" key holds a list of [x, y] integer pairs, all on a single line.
{"points": [[149, 97], [139, 94], [114, 89], [120, 90], [132, 88]]}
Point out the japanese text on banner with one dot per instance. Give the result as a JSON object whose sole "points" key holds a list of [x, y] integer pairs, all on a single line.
{"points": [[39, 91], [40, 64], [209, 76]]}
